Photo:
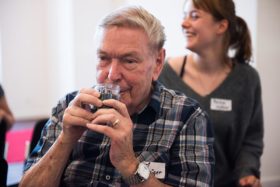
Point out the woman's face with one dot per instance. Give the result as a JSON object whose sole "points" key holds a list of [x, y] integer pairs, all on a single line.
{"points": [[200, 28]]}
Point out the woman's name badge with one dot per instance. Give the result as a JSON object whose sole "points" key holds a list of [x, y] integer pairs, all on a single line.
{"points": [[220, 104]]}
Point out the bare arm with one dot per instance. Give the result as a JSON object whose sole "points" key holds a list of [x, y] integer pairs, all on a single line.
{"points": [[48, 171], [5, 112]]}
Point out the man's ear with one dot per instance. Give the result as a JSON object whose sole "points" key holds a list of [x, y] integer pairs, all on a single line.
{"points": [[222, 26], [159, 64]]}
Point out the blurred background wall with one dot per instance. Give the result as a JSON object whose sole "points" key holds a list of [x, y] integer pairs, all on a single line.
{"points": [[47, 49]]}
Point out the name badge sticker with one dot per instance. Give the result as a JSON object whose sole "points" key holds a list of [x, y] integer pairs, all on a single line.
{"points": [[157, 168], [221, 104]]}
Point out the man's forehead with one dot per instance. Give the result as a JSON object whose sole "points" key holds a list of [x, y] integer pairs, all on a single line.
{"points": [[125, 33], [124, 41], [118, 54], [127, 52]]}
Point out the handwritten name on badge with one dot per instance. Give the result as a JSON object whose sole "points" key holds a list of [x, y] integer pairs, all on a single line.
{"points": [[157, 168], [220, 104]]}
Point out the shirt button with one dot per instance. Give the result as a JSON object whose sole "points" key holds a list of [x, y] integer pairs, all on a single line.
{"points": [[107, 177]]}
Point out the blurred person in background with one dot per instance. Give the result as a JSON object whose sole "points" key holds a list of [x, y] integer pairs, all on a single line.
{"points": [[5, 111]]}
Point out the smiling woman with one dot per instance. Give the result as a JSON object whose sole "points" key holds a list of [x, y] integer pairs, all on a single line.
{"points": [[208, 74]]}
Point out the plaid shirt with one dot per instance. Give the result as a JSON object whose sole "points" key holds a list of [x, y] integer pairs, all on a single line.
{"points": [[172, 129]]}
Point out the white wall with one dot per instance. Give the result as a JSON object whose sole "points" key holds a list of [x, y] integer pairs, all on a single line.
{"points": [[46, 50], [170, 14], [268, 56], [248, 10], [25, 72], [87, 14]]}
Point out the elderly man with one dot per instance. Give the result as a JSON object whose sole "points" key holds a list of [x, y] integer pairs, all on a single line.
{"points": [[151, 136]]}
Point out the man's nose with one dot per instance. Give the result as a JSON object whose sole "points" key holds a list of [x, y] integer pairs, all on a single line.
{"points": [[114, 71]]}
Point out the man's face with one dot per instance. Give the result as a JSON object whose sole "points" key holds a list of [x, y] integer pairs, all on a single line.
{"points": [[126, 59]]}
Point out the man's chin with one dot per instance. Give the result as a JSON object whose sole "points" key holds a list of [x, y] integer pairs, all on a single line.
{"points": [[124, 98]]}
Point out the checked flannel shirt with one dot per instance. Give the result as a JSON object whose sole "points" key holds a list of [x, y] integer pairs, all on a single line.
{"points": [[172, 131]]}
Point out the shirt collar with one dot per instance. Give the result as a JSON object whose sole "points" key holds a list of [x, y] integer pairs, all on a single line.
{"points": [[153, 107]]}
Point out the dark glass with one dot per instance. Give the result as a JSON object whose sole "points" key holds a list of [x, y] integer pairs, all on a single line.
{"points": [[107, 91]]}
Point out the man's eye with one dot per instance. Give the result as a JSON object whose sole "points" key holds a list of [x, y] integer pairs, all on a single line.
{"points": [[129, 61], [103, 58], [103, 61]]}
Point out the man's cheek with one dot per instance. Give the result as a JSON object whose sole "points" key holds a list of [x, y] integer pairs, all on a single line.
{"points": [[101, 76]]}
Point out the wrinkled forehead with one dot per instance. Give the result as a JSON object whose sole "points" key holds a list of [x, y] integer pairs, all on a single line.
{"points": [[99, 32], [131, 36], [123, 40]]}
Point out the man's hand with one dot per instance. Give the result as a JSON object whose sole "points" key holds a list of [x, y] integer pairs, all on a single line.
{"points": [[76, 117], [115, 123]]}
